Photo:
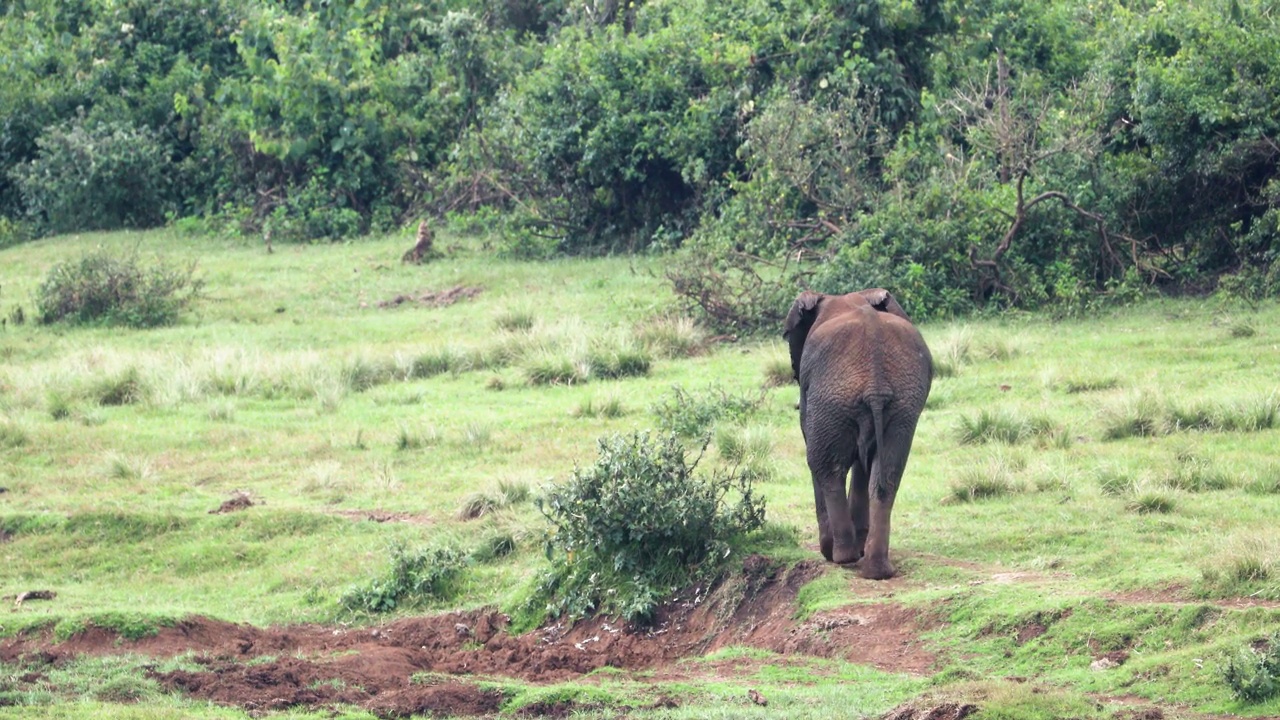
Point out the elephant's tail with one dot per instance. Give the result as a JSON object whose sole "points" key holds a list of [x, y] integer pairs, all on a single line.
{"points": [[877, 404]]}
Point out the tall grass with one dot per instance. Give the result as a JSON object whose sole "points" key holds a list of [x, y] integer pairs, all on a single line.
{"points": [[1007, 426], [996, 477], [1146, 414]]}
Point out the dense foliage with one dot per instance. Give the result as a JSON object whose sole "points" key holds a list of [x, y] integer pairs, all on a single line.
{"points": [[638, 525], [966, 154]]}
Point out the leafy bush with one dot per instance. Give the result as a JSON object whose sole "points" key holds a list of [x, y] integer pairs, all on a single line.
{"points": [[689, 414], [1253, 671], [117, 290], [637, 525], [416, 576], [96, 176]]}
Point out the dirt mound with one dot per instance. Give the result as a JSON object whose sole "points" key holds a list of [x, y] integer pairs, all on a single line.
{"points": [[436, 298], [945, 711], [237, 502], [389, 669]]}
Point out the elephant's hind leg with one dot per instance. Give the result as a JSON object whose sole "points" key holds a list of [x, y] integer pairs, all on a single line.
{"points": [[886, 473], [859, 505], [835, 527]]}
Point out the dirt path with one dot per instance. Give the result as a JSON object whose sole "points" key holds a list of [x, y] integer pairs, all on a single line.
{"points": [[375, 667]]}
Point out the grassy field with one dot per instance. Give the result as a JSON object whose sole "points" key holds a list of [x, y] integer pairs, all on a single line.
{"points": [[1104, 487]]}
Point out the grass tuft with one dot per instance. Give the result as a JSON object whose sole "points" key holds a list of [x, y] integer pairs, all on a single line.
{"points": [[12, 435], [1007, 427], [508, 494], [549, 367], [1145, 415], [122, 467], [1265, 482], [751, 450], [1192, 473], [58, 404], [1151, 502], [223, 410], [514, 320], [996, 478], [1113, 481], [409, 439], [952, 353], [671, 337], [1078, 384], [123, 388], [605, 406], [777, 372]]}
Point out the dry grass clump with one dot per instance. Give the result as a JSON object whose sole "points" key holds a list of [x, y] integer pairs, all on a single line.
{"points": [[669, 336], [997, 477]]}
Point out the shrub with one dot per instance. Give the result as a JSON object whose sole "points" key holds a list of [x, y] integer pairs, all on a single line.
{"points": [[1253, 671], [117, 290], [733, 292], [96, 176], [689, 414], [637, 525], [416, 575]]}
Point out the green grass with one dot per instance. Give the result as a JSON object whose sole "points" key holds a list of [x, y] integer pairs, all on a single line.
{"points": [[1104, 458]]}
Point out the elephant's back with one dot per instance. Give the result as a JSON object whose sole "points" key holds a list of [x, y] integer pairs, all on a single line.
{"points": [[856, 356]]}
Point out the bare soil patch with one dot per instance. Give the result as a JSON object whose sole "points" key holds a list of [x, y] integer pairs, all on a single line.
{"points": [[374, 667], [237, 502], [433, 298], [943, 711], [1181, 595]]}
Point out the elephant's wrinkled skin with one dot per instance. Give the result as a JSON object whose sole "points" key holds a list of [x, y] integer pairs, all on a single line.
{"points": [[864, 373]]}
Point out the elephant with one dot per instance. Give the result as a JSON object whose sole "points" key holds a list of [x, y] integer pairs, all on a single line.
{"points": [[864, 373]]}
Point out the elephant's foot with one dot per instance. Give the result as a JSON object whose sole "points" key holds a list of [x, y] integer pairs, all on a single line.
{"points": [[876, 568], [824, 542], [846, 555]]}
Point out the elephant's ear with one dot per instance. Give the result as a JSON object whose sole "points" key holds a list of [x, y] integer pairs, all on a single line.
{"points": [[803, 312], [881, 300]]}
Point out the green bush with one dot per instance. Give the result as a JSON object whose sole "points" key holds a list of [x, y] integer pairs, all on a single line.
{"points": [[637, 525], [101, 287], [1253, 671], [689, 414], [96, 176], [416, 576]]}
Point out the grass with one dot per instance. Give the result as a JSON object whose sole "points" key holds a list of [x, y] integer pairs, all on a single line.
{"points": [[1151, 455], [1007, 426]]}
